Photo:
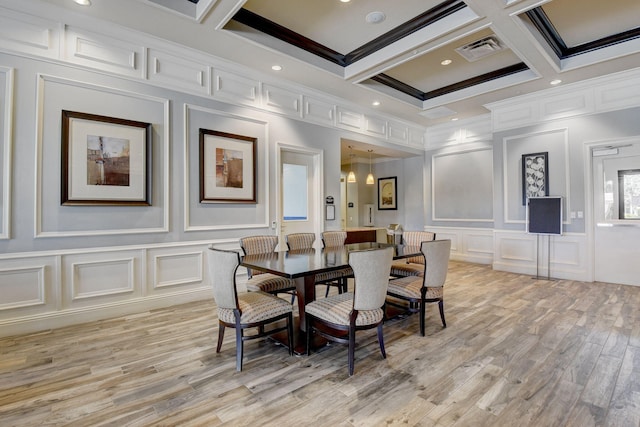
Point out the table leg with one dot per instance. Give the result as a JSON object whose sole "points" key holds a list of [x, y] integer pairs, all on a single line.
{"points": [[306, 293]]}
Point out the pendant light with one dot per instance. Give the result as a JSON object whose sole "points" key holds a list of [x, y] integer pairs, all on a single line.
{"points": [[370, 180], [351, 177]]}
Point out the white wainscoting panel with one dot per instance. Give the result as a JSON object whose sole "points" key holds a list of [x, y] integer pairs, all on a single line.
{"points": [[350, 120], [28, 286], [236, 89], [576, 103], [104, 53], [597, 95], [175, 70], [417, 138], [375, 126], [29, 34], [398, 132], [95, 279], [170, 269], [6, 148], [467, 244], [280, 100], [40, 291], [620, 93], [319, 111], [519, 252], [22, 287]]}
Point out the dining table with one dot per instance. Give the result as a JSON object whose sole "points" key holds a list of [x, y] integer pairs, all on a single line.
{"points": [[303, 265]]}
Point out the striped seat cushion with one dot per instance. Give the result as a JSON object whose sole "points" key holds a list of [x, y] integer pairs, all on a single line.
{"points": [[256, 307], [402, 268], [336, 309], [409, 287], [334, 275], [270, 283]]}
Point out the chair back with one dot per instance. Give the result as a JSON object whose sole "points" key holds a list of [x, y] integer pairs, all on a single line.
{"points": [[415, 238], [258, 244], [252, 245], [436, 254], [371, 270], [222, 270], [296, 241], [333, 239]]}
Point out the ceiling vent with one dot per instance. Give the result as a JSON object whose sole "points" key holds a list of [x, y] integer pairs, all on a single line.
{"points": [[481, 48]]}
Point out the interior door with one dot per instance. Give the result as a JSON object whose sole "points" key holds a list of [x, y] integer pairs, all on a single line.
{"points": [[300, 202], [616, 196]]}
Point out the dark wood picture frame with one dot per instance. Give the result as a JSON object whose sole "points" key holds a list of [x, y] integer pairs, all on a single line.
{"points": [[535, 175], [105, 160], [388, 193], [227, 167]]}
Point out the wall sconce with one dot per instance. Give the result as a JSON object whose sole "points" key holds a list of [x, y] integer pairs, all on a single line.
{"points": [[370, 180]]}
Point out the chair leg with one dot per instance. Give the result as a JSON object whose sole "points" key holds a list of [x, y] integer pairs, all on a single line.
{"points": [[422, 315], [381, 341], [293, 297], [239, 349], [441, 307], [308, 334], [290, 333], [352, 349], [326, 294], [220, 336]]}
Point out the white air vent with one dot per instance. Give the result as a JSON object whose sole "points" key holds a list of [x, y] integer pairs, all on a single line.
{"points": [[481, 48]]}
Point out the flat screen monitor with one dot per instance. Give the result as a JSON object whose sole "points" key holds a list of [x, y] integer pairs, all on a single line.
{"points": [[544, 215]]}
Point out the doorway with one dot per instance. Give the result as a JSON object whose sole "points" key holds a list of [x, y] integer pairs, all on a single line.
{"points": [[615, 169], [300, 192]]}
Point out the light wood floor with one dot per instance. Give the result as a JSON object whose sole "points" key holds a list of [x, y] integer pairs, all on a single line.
{"points": [[516, 352]]}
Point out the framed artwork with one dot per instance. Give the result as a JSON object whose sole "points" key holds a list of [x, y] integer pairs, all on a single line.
{"points": [[535, 176], [227, 167], [105, 160], [387, 193]]}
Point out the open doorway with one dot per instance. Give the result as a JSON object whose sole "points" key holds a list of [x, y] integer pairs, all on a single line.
{"points": [[615, 169], [300, 178]]}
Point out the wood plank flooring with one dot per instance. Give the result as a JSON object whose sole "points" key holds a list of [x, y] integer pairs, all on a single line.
{"points": [[516, 352]]}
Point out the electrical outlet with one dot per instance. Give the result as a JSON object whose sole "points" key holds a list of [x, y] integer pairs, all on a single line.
{"points": [[573, 215], [580, 214]]}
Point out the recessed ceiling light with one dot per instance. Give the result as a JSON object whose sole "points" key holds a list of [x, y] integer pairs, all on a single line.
{"points": [[455, 119], [83, 2], [446, 62], [375, 103], [276, 67], [375, 17], [345, 1], [555, 82]]}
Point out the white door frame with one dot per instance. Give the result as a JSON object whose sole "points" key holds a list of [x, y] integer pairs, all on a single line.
{"points": [[317, 185], [590, 214]]}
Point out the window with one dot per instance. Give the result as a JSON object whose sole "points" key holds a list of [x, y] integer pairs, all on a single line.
{"points": [[294, 192], [629, 194]]}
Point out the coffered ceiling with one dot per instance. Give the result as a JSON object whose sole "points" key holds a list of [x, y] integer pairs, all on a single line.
{"points": [[392, 51]]}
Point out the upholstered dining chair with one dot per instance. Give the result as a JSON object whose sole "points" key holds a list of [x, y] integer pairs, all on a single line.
{"points": [[259, 280], [247, 310], [428, 288], [338, 278], [413, 266], [361, 309], [297, 241], [304, 241]]}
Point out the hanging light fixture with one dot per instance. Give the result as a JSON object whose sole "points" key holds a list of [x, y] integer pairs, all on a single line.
{"points": [[370, 180], [351, 177]]}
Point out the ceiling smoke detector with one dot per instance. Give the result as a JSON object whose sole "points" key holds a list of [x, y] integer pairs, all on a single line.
{"points": [[481, 48], [375, 17]]}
